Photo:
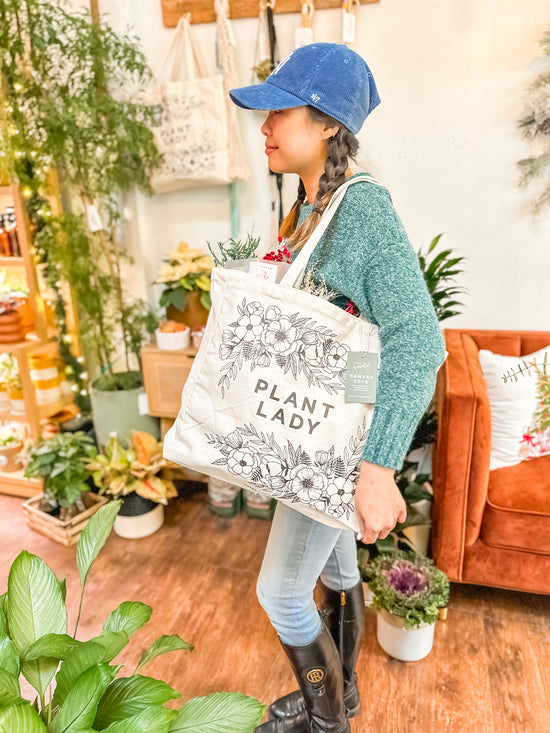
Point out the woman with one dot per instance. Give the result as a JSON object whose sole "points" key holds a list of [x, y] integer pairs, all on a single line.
{"points": [[317, 100]]}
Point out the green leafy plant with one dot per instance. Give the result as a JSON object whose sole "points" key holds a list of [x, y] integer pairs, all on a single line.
{"points": [[439, 274], [60, 461], [186, 271], [71, 91], [535, 125], [234, 249], [121, 471], [78, 687], [407, 585]]}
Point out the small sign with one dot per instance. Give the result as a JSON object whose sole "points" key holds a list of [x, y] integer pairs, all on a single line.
{"points": [[143, 404], [361, 377], [264, 270]]}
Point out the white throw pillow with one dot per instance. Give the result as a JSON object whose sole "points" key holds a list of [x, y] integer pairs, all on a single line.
{"points": [[516, 427]]}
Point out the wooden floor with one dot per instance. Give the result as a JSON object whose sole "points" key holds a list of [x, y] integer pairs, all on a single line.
{"points": [[489, 669]]}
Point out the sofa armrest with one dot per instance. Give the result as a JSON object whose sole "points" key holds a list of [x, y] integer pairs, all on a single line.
{"points": [[456, 409]]}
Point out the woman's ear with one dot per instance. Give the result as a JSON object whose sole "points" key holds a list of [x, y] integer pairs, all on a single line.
{"points": [[329, 132]]}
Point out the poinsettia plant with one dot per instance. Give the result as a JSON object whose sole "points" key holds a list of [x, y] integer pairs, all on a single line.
{"points": [[120, 471], [186, 270]]}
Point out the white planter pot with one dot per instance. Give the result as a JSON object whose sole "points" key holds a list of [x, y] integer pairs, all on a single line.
{"points": [[140, 525], [172, 341], [408, 645]]}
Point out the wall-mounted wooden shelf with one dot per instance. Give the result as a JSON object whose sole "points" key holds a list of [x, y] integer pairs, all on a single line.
{"points": [[202, 11]]}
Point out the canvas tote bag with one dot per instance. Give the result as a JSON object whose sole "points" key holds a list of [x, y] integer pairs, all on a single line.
{"points": [[263, 406], [193, 134]]}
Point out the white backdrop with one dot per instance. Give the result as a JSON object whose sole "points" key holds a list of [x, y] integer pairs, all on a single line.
{"points": [[452, 76]]}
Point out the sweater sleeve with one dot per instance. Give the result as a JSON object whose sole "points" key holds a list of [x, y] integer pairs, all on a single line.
{"points": [[379, 271]]}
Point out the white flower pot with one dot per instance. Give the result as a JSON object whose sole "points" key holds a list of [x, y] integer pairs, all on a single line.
{"points": [[408, 645], [172, 341], [140, 525]]}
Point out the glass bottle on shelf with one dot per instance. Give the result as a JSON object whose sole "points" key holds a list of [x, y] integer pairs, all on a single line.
{"points": [[5, 248], [12, 231]]}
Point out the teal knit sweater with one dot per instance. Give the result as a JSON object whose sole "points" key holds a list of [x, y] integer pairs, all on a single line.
{"points": [[365, 255]]}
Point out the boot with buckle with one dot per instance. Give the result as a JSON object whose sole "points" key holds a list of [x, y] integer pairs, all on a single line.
{"points": [[318, 669], [344, 615]]}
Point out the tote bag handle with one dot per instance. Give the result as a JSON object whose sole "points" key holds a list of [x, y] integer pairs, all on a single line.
{"points": [[293, 276], [184, 60]]}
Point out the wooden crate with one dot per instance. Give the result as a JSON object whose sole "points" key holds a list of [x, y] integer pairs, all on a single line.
{"points": [[66, 533], [164, 374]]}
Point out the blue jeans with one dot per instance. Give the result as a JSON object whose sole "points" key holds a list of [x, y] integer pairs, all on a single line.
{"points": [[298, 552]]}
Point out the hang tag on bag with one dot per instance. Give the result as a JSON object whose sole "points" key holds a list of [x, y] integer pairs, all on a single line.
{"points": [[348, 27], [361, 377]]}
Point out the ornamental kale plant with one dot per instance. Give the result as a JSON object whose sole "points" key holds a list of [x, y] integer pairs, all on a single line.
{"points": [[78, 688], [409, 586]]}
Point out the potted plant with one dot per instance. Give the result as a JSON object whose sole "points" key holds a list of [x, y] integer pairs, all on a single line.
{"points": [[407, 591], [131, 473], [15, 393], [77, 686], [186, 279], [11, 325], [66, 503], [11, 444]]}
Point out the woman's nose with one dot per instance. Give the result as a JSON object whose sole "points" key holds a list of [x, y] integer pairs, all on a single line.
{"points": [[266, 127]]}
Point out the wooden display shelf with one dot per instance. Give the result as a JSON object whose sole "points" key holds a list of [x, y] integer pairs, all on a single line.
{"points": [[15, 484], [164, 374], [4, 260], [202, 11]]}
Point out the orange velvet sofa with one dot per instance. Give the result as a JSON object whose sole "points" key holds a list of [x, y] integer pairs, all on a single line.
{"points": [[490, 528]]}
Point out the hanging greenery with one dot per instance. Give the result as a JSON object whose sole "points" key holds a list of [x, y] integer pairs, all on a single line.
{"points": [[71, 102], [535, 125]]}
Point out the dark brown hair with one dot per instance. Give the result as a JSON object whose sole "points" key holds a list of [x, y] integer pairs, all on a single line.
{"points": [[341, 148]]}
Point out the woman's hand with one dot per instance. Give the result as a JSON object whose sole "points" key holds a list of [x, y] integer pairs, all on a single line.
{"points": [[378, 502]]}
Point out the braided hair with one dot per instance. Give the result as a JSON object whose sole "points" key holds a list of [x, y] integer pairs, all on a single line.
{"points": [[341, 148]]}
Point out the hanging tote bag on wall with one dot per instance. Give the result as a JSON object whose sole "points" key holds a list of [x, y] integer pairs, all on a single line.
{"points": [[193, 134], [263, 406]]}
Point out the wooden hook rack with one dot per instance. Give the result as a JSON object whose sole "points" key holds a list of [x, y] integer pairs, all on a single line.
{"points": [[202, 11]]}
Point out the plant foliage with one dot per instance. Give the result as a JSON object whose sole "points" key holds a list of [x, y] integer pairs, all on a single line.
{"points": [[71, 89], [409, 586], [439, 274], [79, 690]]}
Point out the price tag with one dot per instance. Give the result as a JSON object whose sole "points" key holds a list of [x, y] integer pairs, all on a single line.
{"points": [[361, 377], [143, 404], [303, 36], [94, 219], [348, 27]]}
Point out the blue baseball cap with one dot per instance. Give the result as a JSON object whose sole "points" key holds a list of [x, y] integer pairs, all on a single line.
{"points": [[328, 76]]}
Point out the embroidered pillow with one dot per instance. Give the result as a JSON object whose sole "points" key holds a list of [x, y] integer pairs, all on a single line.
{"points": [[520, 410]]}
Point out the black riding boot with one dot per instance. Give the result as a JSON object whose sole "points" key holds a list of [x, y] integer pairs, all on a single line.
{"points": [[318, 670], [344, 615]]}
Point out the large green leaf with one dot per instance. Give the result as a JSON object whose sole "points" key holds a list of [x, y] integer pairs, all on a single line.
{"points": [[21, 718], [93, 537], [3, 601], [129, 617], [79, 709], [151, 719], [87, 655], [129, 695], [113, 642], [162, 645], [34, 608], [10, 692], [55, 646], [9, 661], [221, 712]]}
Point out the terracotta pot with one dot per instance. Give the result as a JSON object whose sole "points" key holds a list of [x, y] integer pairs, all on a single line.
{"points": [[24, 309], [11, 328], [193, 315], [8, 455]]}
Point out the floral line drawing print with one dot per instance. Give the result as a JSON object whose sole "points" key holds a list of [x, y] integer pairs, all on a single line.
{"points": [[297, 344], [325, 481]]}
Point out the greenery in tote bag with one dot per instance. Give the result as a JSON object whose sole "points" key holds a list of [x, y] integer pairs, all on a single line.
{"points": [[409, 586], [77, 684], [70, 103], [234, 249], [60, 461]]}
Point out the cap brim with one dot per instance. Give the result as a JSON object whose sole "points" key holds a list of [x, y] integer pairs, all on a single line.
{"points": [[264, 96]]}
